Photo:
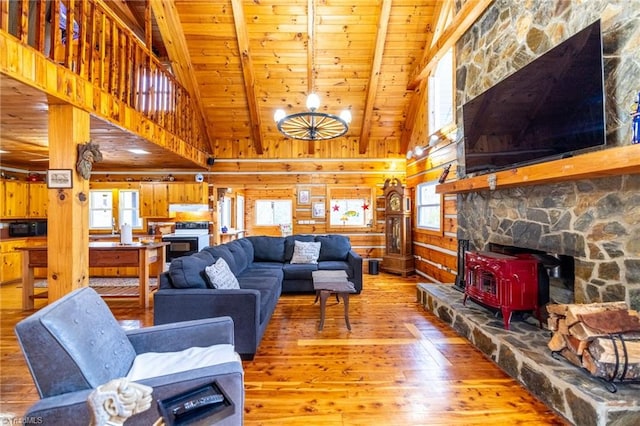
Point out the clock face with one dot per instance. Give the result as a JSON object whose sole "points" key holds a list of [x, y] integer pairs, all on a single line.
{"points": [[394, 202]]}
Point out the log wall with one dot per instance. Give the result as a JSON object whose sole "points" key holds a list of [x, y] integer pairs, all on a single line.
{"points": [[283, 180]]}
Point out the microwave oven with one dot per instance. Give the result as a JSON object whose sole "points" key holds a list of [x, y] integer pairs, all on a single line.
{"points": [[28, 229]]}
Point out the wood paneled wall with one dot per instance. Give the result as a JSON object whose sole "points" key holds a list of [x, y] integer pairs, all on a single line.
{"points": [[435, 252], [282, 180]]}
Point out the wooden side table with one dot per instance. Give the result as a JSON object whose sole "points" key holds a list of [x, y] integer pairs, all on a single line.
{"points": [[326, 283]]}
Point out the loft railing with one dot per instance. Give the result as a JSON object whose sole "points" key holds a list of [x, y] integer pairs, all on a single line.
{"points": [[101, 49]]}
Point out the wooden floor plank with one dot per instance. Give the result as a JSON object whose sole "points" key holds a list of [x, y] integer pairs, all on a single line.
{"points": [[398, 366]]}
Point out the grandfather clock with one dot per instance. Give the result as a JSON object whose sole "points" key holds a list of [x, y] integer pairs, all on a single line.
{"points": [[398, 257]]}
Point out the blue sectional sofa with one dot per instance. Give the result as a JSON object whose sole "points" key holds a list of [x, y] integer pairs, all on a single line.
{"points": [[263, 268]]}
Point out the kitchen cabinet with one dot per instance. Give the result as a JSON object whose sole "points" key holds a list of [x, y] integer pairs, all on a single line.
{"points": [[11, 260], [38, 200], [15, 199], [154, 199], [188, 193]]}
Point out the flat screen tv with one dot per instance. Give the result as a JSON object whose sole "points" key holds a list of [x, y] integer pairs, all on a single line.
{"points": [[551, 108]]}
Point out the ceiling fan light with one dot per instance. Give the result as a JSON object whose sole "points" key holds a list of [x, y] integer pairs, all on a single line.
{"points": [[346, 116], [279, 115], [419, 150], [409, 154], [313, 101]]}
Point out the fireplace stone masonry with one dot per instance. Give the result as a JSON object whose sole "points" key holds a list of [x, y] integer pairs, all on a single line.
{"points": [[596, 221]]}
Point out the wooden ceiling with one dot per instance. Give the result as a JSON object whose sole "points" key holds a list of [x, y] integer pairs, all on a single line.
{"points": [[243, 59]]}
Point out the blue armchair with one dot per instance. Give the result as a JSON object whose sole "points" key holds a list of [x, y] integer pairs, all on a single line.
{"points": [[75, 344]]}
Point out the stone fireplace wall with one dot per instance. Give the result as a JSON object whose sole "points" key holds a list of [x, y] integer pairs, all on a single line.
{"points": [[596, 221]]}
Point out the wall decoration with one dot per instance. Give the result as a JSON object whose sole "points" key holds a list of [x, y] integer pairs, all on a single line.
{"points": [[59, 178], [88, 154], [304, 196], [318, 210]]}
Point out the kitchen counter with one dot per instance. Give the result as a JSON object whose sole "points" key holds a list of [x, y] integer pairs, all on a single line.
{"points": [[101, 254], [113, 236]]}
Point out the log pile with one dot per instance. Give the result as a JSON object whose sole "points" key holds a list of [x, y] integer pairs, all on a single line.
{"points": [[603, 338]]}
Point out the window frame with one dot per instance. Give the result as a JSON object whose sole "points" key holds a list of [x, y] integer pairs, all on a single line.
{"points": [[419, 205], [139, 218], [116, 213], [433, 95], [272, 200]]}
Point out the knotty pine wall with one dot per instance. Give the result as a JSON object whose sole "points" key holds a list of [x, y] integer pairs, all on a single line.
{"points": [[283, 179], [435, 252]]}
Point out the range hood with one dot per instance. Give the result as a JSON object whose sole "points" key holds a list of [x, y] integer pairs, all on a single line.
{"points": [[188, 208]]}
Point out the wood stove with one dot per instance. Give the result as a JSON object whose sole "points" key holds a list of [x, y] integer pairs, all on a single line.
{"points": [[504, 282]]}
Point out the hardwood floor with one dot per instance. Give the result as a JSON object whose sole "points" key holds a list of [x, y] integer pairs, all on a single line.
{"points": [[398, 366]]}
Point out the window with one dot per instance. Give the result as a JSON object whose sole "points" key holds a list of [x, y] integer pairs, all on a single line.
{"points": [[225, 212], [441, 94], [101, 210], [429, 206], [350, 207], [240, 212], [129, 208], [273, 212]]}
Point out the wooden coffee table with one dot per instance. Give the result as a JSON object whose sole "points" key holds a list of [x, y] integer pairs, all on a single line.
{"points": [[326, 283]]}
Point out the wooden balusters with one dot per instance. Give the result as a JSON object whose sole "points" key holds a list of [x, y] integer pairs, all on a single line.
{"points": [[87, 38]]}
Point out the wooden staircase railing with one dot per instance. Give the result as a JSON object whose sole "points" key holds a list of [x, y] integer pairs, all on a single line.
{"points": [[101, 49]]}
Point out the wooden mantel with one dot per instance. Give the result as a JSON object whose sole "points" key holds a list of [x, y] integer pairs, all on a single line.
{"points": [[602, 163]]}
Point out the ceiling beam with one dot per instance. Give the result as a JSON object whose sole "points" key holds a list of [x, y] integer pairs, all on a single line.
{"points": [[372, 85], [463, 20], [249, 74], [170, 27], [444, 11], [128, 16]]}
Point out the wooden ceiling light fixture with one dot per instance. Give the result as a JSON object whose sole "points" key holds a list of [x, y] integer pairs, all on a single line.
{"points": [[312, 125]]}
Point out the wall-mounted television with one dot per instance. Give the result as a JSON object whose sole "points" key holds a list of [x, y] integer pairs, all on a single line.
{"points": [[551, 108]]}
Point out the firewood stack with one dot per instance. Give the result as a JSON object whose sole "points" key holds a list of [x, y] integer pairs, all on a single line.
{"points": [[603, 338]]}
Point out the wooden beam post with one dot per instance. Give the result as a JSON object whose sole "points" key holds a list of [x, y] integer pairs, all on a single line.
{"points": [[68, 220]]}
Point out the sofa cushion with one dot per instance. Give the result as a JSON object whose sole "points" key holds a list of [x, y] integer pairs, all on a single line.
{"points": [[262, 273], [299, 271], [333, 247], [248, 249], [240, 256], [335, 265], [289, 244], [223, 252], [269, 288], [268, 249], [220, 276], [188, 271], [266, 265], [305, 252]]}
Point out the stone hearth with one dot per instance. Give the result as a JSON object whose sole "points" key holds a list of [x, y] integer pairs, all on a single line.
{"points": [[523, 354]]}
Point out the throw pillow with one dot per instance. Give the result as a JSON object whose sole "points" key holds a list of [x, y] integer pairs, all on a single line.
{"points": [[305, 252], [220, 276]]}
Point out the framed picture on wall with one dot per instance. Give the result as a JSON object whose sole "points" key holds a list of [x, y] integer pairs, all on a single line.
{"points": [[318, 210], [304, 196], [59, 178]]}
